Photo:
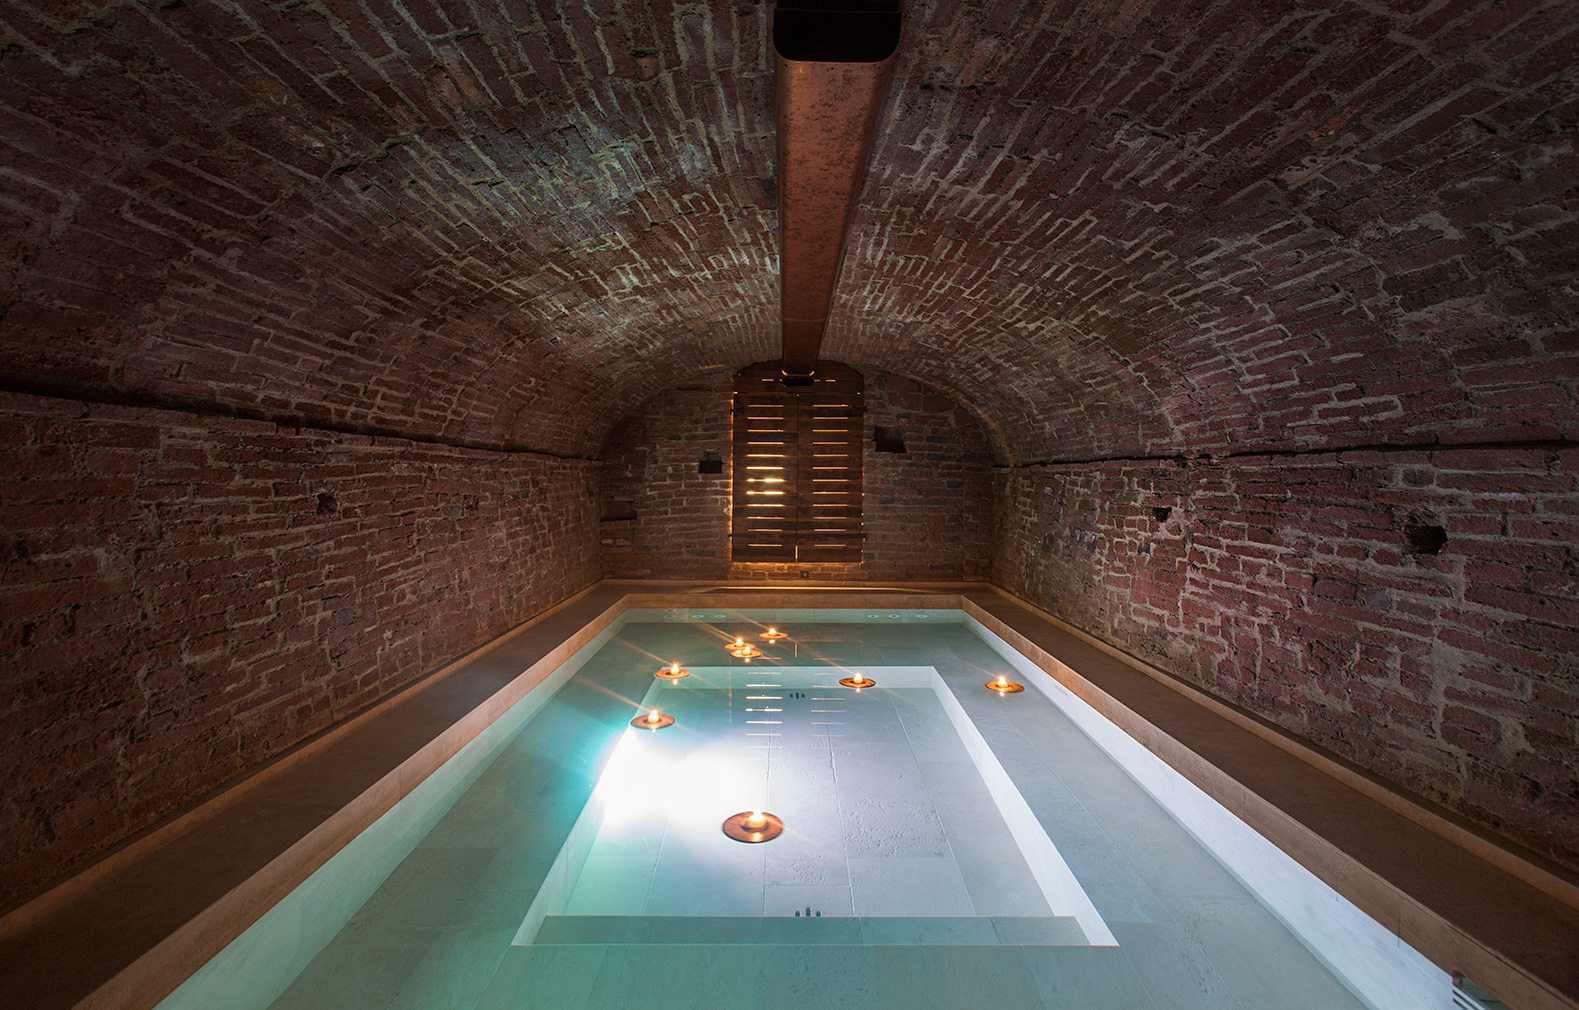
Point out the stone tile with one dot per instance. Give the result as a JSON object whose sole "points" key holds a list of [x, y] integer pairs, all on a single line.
{"points": [[362, 968], [542, 978], [1260, 960], [1039, 931], [428, 888], [996, 875], [1086, 978], [1176, 973], [831, 900], [896, 885], [708, 881], [869, 774], [672, 978], [948, 978], [456, 969], [610, 885], [917, 930], [823, 977], [875, 827], [794, 861]]}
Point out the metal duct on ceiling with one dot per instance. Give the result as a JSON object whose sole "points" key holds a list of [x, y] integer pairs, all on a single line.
{"points": [[832, 64]]}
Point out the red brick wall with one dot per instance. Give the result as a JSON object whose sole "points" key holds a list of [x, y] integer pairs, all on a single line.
{"points": [[1153, 228], [183, 597], [1219, 226], [926, 510], [1285, 584]]}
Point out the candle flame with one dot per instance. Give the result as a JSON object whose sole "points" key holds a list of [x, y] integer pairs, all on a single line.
{"points": [[653, 716], [773, 631], [756, 820], [1003, 681], [740, 641], [675, 668]]}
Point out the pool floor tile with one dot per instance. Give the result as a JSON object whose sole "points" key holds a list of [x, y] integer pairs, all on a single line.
{"points": [[542, 978], [948, 978], [1085, 978], [909, 885], [363, 968], [455, 971]]}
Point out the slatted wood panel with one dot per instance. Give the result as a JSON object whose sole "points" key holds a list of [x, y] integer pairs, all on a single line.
{"points": [[797, 466]]}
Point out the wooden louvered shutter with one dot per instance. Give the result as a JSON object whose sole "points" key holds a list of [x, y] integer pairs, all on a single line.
{"points": [[764, 514], [828, 474], [797, 466]]}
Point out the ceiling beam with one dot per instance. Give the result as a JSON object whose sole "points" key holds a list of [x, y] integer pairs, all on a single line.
{"points": [[832, 67]]}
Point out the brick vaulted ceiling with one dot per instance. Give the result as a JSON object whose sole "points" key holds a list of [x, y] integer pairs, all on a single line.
{"points": [[1127, 227]]}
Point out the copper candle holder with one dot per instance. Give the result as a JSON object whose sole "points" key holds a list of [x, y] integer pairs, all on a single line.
{"points": [[752, 826], [653, 720], [858, 681], [672, 672], [741, 650], [1003, 685], [773, 634]]}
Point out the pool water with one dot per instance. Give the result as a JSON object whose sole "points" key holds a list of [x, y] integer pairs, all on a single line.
{"points": [[963, 849], [889, 821]]}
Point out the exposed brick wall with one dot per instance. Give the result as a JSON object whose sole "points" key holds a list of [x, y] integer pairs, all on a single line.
{"points": [[476, 224], [1134, 229], [183, 597], [1152, 228], [926, 511], [1205, 226], [1287, 585]]}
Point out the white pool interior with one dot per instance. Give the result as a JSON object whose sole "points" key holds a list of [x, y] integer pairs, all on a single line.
{"points": [[944, 846], [896, 813]]}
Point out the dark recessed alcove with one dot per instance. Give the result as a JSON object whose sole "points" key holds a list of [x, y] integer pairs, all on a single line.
{"points": [[889, 439], [1421, 537]]}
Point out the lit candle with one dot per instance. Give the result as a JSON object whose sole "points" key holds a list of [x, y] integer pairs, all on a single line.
{"points": [[756, 820], [653, 716], [674, 668], [1003, 681], [773, 631], [739, 642]]}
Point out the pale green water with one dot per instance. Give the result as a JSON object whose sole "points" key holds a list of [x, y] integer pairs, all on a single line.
{"points": [[926, 897]]}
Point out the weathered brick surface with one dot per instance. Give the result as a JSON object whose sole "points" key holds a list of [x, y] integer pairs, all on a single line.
{"points": [[1153, 229], [1166, 225], [183, 597], [926, 511], [1287, 585], [470, 224], [1197, 226]]}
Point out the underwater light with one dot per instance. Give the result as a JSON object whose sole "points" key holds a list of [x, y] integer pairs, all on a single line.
{"points": [[753, 826], [653, 720]]}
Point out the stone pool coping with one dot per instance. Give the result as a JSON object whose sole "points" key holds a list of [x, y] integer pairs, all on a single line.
{"points": [[127, 930]]}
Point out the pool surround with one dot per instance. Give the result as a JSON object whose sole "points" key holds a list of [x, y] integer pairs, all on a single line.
{"points": [[160, 907]]}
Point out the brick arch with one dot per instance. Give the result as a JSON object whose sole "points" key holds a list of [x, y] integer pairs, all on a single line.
{"points": [[1135, 239], [1184, 252]]}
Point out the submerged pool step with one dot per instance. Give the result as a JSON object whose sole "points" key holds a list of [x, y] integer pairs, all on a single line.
{"points": [[658, 930]]}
